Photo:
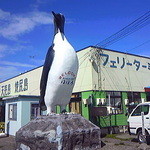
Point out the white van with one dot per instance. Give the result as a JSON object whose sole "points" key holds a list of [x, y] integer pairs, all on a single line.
{"points": [[135, 122]]}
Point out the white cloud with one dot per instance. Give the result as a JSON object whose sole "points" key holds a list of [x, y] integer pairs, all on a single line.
{"points": [[4, 15], [14, 25], [8, 72], [10, 49], [17, 64], [11, 69], [38, 62], [3, 49], [38, 3]]}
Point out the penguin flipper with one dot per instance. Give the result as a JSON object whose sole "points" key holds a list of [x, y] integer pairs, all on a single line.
{"points": [[46, 68]]}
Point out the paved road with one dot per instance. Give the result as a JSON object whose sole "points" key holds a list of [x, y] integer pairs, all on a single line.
{"points": [[123, 141], [7, 143]]}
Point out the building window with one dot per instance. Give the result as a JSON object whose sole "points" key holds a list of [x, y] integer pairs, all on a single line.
{"points": [[12, 112], [134, 99], [148, 96], [114, 102], [35, 110]]}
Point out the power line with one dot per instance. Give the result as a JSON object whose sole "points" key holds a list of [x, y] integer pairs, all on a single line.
{"points": [[129, 29], [132, 27], [140, 45]]}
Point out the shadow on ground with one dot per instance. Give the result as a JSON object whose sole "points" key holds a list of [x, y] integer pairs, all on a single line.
{"points": [[7, 143]]}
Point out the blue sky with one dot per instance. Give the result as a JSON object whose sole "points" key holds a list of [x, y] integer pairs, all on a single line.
{"points": [[26, 29]]}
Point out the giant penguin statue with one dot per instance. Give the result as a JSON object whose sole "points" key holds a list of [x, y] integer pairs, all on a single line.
{"points": [[59, 70]]}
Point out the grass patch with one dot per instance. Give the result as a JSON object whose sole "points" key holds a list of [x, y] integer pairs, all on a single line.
{"points": [[114, 136]]}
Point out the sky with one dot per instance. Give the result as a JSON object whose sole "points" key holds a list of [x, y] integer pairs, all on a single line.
{"points": [[26, 29]]}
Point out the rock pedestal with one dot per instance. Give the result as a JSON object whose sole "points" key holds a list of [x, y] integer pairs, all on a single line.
{"points": [[59, 132]]}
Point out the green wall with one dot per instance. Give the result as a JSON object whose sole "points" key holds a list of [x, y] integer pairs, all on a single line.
{"points": [[143, 95], [104, 121], [85, 107]]}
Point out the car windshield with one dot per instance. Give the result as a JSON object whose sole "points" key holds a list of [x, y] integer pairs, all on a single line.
{"points": [[139, 109]]}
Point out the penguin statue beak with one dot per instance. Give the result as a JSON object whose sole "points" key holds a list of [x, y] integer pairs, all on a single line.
{"points": [[53, 14], [58, 23]]}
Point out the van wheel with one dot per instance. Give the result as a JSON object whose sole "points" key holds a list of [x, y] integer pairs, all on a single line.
{"points": [[141, 137]]}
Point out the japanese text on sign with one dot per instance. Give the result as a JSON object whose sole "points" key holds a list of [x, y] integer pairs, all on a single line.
{"points": [[19, 86], [121, 62]]}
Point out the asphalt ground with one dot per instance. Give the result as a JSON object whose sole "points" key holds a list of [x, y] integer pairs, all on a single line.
{"points": [[7, 143], [122, 141]]}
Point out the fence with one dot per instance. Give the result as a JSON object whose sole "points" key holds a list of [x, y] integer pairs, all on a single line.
{"points": [[2, 127]]}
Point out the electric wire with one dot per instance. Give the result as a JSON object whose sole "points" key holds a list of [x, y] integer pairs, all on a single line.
{"points": [[85, 56], [132, 27], [127, 30], [139, 45], [123, 35]]}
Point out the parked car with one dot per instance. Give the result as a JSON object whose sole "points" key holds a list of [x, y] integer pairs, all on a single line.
{"points": [[135, 122]]}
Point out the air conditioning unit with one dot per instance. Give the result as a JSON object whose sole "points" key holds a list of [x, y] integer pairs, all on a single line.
{"points": [[85, 101], [103, 101], [143, 100], [110, 110], [100, 101], [126, 101]]}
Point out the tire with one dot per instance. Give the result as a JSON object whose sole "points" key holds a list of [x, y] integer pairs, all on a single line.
{"points": [[148, 139], [141, 137]]}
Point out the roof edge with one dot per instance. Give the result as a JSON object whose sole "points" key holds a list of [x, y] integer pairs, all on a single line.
{"points": [[79, 51], [17, 96], [113, 51]]}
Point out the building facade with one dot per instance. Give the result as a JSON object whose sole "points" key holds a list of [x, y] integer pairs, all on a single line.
{"points": [[109, 85]]}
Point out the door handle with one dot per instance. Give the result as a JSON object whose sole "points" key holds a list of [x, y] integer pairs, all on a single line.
{"points": [[147, 117]]}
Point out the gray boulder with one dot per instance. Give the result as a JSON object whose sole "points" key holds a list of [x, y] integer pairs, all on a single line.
{"points": [[59, 132]]}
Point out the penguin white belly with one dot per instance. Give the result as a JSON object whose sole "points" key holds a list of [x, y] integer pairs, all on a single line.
{"points": [[62, 75]]}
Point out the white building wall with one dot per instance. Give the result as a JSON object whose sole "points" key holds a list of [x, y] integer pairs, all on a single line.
{"points": [[84, 76], [122, 72], [26, 109], [118, 72], [11, 126], [25, 84], [23, 113]]}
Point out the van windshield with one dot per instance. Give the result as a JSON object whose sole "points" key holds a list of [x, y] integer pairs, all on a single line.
{"points": [[139, 109]]}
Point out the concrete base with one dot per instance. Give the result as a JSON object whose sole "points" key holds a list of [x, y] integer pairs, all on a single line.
{"points": [[59, 132]]}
